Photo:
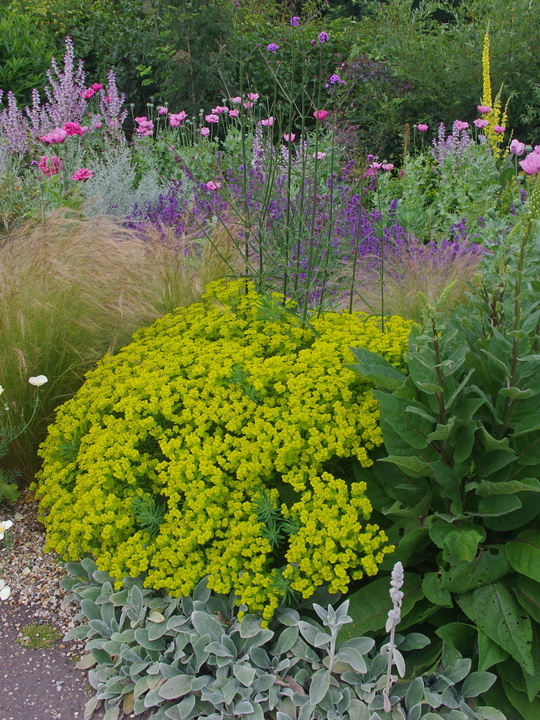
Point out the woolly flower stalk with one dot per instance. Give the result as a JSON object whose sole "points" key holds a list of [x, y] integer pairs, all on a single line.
{"points": [[394, 616]]}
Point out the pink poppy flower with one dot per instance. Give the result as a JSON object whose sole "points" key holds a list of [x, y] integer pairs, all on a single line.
{"points": [[319, 155], [50, 165], [268, 122], [162, 110], [461, 125], [220, 110], [253, 97], [320, 114], [88, 93], [58, 135], [483, 109], [205, 131], [289, 138], [234, 113], [499, 129], [73, 128], [531, 163], [82, 174], [376, 166], [387, 166], [96, 86], [422, 127], [213, 185], [176, 118], [146, 127], [481, 123], [517, 148], [211, 118], [236, 99], [248, 105]]}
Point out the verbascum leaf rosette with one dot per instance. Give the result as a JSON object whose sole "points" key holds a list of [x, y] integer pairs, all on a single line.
{"points": [[219, 443]]}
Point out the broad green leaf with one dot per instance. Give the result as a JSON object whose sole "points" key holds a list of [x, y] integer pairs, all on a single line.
{"points": [[411, 543], [448, 479], [497, 505], [463, 441], [498, 614], [411, 465], [369, 606], [532, 681], [527, 448], [412, 429], [490, 462], [515, 393], [527, 710], [457, 635], [486, 488], [462, 545], [488, 567], [527, 592], [516, 519], [375, 368], [489, 652], [523, 554], [442, 432], [434, 592]]}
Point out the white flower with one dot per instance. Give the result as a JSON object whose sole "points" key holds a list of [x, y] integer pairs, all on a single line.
{"points": [[1, 389], [5, 590], [38, 381], [5, 525]]}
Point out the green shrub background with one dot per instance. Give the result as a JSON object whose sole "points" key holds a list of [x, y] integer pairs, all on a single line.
{"points": [[220, 443]]}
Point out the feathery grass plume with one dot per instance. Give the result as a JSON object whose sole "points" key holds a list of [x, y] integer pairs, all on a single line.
{"points": [[73, 289], [417, 274]]}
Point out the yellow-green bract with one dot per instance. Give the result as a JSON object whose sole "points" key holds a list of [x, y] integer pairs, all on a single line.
{"points": [[208, 410]]}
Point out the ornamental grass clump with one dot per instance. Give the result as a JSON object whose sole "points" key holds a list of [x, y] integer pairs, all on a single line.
{"points": [[220, 443]]}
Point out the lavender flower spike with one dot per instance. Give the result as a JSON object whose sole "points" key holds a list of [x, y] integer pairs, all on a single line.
{"points": [[110, 104]]}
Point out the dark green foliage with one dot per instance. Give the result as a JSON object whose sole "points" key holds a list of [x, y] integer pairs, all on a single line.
{"points": [[461, 480], [194, 61], [24, 54]]}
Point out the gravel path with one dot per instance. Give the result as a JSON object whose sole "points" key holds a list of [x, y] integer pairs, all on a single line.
{"points": [[36, 684]]}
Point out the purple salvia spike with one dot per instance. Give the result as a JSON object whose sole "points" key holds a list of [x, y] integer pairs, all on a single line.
{"points": [[14, 126], [66, 103], [111, 109]]}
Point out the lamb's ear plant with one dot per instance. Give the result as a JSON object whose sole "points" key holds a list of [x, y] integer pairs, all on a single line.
{"points": [[193, 658], [461, 477]]}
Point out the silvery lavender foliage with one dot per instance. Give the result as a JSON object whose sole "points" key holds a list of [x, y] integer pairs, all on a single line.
{"points": [[65, 95], [14, 127], [188, 658]]}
